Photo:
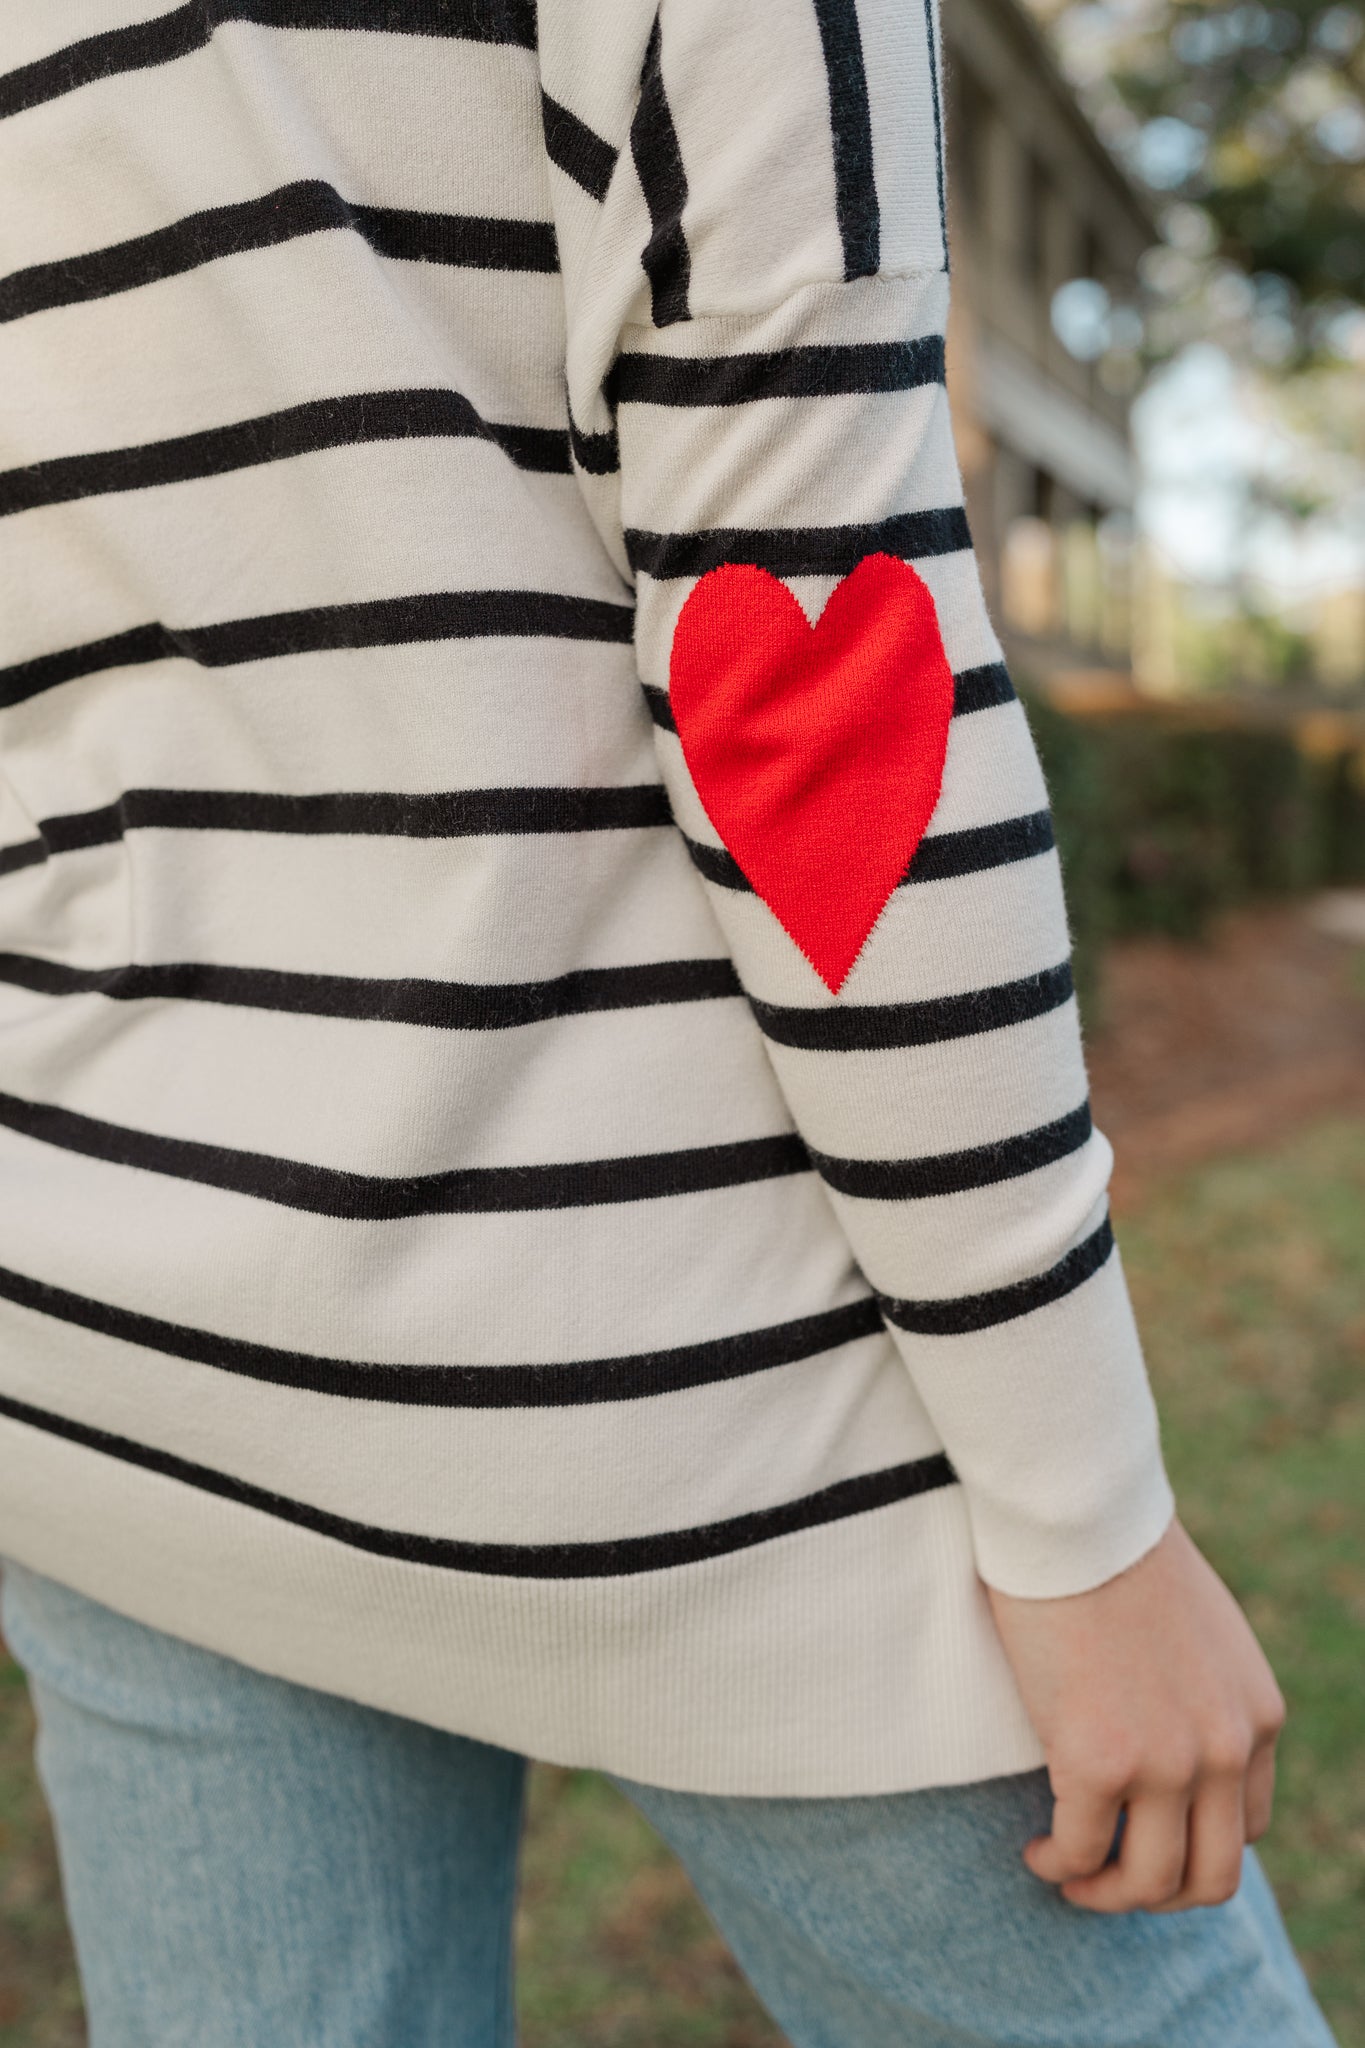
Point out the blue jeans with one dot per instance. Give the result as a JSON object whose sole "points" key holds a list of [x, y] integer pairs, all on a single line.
{"points": [[250, 1864]]}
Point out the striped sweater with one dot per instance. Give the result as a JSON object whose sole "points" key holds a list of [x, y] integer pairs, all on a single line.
{"points": [[460, 1245]]}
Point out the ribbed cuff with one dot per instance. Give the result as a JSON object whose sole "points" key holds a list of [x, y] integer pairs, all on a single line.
{"points": [[1049, 1421], [1039, 1560]]}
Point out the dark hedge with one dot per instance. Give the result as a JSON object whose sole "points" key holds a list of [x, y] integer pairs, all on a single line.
{"points": [[1162, 823]]}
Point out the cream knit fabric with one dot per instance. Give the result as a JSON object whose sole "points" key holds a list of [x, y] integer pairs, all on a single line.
{"points": [[454, 1248]]}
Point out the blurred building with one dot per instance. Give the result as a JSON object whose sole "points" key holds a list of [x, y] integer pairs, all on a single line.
{"points": [[1338, 633], [1037, 203]]}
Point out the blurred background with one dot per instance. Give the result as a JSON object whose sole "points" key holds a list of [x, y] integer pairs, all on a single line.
{"points": [[1157, 371]]}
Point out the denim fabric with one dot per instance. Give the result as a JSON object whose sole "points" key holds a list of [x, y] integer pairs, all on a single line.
{"points": [[250, 1864]]}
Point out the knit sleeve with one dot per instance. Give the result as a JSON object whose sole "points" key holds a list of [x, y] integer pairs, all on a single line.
{"points": [[750, 211]]}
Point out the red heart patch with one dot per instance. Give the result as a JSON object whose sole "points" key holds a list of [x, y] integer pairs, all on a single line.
{"points": [[817, 752]]}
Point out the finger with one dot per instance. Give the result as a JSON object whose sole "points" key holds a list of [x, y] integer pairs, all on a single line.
{"points": [[1260, 1791], [1083, 1828], [1151, 1863], [1217, 1839]]}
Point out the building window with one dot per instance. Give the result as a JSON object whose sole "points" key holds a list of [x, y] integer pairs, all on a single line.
{"points": [[1092, 255], [1033, 202], [1030, 578], [970, 116]]}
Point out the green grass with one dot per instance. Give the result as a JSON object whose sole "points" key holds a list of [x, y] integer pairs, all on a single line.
{"points": [[615, 1951], [1249, 1276], [39, 2001], [1249, 1279]]}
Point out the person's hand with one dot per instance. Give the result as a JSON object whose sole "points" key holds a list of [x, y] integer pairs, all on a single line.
{"points": [[1152, 1698]]}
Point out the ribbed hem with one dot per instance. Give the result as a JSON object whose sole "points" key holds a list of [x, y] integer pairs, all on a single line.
{"points": [[856, 1658]]}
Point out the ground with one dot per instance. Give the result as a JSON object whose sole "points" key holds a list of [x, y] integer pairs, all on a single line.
{"points": [[1235, 1094], [1232, 1043]]}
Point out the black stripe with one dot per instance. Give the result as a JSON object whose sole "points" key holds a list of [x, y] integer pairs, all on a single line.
{"points": [[800, 550], [598, 454], [440, 814], [413, 999], [944, 855], [961, 1315], [823, 371], [309, 207], [25, 679], [26, 854], [850, 115], [980, 689], [633, 1376], [954, 1173], [459, 813], [937, 858], [468, 241], [935, 100], [717, 864], [185, 29], [975, 689], [580, 152], [375, 622], [134, 48], [614, 1558], [361, 416], [876, 1027], [384, 1198], [475, 21], [659, 707], [659, 166]]}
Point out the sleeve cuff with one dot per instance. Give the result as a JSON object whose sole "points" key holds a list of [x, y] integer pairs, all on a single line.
{"points": [[1037, 1560], [1051, 1426]]}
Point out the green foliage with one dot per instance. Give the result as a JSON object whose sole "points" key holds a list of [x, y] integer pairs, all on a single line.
{"points": [[1255, 114], [1344, 819], [1276, 93], [1163, 823]]}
